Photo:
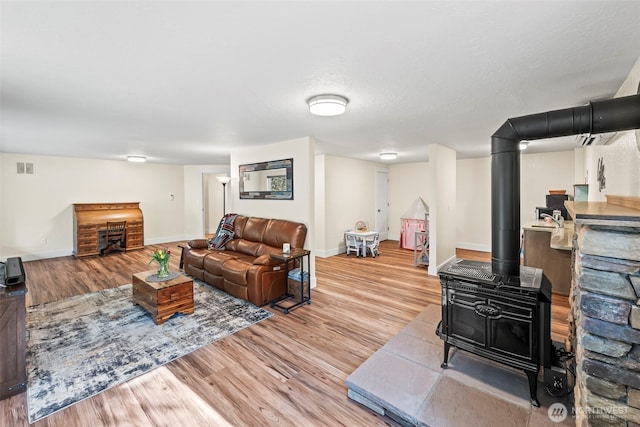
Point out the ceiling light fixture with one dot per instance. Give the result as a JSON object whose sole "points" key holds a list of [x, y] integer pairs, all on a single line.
{"points": [[388, 156], [137, 159], [327, 105], [524, 145]]}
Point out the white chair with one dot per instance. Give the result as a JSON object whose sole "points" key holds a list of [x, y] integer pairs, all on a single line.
{"points": [[371, 245], [353, 244]]}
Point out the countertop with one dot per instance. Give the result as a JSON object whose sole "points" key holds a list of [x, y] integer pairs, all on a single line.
{"points": [[609, 212], [561, 237], [617, 210]]}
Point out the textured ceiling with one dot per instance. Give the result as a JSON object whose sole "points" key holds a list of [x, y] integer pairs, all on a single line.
{"points": [[185, 82]]}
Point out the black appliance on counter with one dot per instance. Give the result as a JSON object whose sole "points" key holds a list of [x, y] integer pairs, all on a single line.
{"points": [[554, 202], [502, 310], [12, 272]]}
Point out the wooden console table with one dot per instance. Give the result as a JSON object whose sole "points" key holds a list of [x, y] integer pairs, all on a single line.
{"points": [[90, 221], [13, 374]]}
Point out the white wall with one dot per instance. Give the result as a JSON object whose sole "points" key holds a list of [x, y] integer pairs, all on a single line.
{"points": [[540, 173], [621, 160], [621, 157], [319, 206], [442, 206], [473, 204], [37, 210], [2, 204]]}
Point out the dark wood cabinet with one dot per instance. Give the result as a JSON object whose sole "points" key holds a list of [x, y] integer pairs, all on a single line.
{"points": [[13, 373], [556, 263], [90, 222]]}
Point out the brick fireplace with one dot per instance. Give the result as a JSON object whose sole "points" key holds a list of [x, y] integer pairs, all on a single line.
{"points": [[605, 313]]}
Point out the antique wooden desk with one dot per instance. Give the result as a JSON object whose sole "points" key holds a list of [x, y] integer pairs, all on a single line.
{"points": [[90, 221]]}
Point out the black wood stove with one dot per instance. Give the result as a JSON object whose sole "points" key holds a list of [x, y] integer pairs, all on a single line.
{"points": [[502, 310], [505, 321]]}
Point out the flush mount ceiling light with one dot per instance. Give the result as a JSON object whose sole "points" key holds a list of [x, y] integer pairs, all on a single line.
{"points": [[388, 156], [137, 159], [327, 105], [524, 145]]}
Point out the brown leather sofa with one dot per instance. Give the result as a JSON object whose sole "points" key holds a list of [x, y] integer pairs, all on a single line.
{"points": [[244, 268]]}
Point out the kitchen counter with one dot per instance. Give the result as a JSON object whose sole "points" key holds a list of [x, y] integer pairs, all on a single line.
{"points": [[617, 210], [561, 238]]}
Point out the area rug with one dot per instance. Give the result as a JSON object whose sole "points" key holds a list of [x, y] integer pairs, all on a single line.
{"points": [[83, 345]]}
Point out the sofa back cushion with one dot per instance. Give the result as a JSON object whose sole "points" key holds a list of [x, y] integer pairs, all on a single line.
{"points": [[258, 236], [254, 229], [248, 232], [238, 226], [280, 231]]}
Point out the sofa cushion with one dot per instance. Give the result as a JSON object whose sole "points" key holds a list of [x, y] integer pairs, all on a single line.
{"points": [[238, 226], [279, 231], [247, 247], [195, 257], [214, 260], [237, 291], [236, 271], [254, 229]]}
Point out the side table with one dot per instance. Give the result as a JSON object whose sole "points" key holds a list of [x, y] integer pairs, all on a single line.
{"points": [[294, 255], [13, 373]]}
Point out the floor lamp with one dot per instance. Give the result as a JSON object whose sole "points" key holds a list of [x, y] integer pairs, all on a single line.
{"points": [[224, 180]]}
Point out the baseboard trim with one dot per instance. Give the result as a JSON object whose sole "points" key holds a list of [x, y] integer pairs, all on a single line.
{"points": [[473, 247]]}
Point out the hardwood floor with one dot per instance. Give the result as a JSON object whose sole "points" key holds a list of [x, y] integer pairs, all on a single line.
{"points": [[289, 370]]}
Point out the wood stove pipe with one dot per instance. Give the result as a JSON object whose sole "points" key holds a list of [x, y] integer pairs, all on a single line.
{"points": [[612, 115]]}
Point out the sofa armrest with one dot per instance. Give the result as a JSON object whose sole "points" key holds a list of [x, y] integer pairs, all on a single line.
{"points": [[266, 260], [198, 244]]}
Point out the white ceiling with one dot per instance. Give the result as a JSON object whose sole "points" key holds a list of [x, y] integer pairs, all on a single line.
{"points": [[185, 82]]}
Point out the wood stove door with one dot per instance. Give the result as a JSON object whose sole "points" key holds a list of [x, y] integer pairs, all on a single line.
{"points": [[512, 332], [499, 326], [463, 323]]}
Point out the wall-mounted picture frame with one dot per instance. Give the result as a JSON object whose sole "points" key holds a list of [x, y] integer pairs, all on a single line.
{"points": [[272, 180]]}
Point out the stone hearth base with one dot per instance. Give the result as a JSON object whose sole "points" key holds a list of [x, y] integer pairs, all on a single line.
{"points": [[403, 380]]}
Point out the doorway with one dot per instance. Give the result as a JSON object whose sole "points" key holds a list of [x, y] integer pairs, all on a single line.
{"points": [[212, 194]]}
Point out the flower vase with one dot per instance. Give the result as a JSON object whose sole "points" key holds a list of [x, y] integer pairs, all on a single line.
{"points": [[163, 271]]}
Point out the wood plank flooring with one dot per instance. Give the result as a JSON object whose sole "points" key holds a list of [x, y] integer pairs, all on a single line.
{"points": [[289, 370]]}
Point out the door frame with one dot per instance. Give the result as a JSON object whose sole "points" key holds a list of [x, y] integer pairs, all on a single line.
{"points": [[382, 203]]}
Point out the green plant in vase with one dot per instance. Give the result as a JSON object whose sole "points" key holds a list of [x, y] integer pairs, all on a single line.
{"points": [[161, 256]]}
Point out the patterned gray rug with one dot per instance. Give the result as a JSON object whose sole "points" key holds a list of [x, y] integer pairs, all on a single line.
{"points": [[84, 345]]}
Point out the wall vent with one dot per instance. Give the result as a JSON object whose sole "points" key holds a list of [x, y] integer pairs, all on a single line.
{"points": [[598, 139]]}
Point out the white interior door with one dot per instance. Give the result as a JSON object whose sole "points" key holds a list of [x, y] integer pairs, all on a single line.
{"points": [[382, 203]]}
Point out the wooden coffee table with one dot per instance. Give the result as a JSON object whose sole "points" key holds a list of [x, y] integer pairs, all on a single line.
{"points": [[163, 299]]}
